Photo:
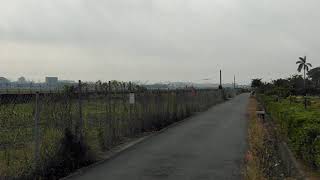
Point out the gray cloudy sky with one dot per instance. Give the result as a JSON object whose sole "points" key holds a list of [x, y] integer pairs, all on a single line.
{"points": [[157, 40]]}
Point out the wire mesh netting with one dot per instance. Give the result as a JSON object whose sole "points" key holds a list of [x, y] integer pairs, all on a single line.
{"points": [[34, 126]]}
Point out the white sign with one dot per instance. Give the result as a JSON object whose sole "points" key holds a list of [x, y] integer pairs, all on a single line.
{"points": [[131, 98]]}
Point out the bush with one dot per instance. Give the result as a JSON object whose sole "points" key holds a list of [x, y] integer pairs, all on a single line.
{"points": [[71, 155], [300, 126]]}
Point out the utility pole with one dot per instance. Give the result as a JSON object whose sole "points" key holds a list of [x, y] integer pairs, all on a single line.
{"points": [[234, 82], [220, 86]]}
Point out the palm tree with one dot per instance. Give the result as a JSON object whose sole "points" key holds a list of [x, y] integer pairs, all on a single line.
{"points": [[305, 66]]}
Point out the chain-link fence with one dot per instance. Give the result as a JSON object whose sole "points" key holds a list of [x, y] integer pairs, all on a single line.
{"points": [[52, 134]]}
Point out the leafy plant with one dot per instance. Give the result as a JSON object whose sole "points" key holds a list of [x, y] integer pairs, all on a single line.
{"points": [[300, 126]]}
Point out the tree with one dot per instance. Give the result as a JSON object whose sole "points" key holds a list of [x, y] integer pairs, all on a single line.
{"points": [[285, 83], [314, 74], [22, 80], [98, 86], [281, 87], [296, 84], [302, 64], [256, 83]]}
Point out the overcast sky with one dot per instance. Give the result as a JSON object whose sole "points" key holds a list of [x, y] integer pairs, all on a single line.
{"points": [[157, 40]]}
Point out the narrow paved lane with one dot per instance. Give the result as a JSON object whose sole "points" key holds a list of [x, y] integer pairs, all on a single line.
{"points": [[208, 146]]}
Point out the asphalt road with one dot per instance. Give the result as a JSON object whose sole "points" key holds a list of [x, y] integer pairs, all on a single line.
{"points": [[210, 145]]}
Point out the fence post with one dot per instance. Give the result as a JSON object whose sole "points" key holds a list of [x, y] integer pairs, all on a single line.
{"points": [[80, 123], [37, 132], [112, 114], [131, 123], [108, 116]]}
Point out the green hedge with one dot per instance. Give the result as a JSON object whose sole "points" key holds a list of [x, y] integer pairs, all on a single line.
{"points": [[300, 126]]}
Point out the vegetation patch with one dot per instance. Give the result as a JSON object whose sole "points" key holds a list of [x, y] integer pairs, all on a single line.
{"points": [[300, 126], [262, 159]]}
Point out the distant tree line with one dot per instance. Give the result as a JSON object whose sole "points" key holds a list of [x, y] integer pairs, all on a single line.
{"points": [[304, 84]]}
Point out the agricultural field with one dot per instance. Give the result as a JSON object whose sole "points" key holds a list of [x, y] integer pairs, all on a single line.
{"points": [[91, 124], [300, 127]]}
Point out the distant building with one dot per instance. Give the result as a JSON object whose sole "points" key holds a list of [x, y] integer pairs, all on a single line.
{"points": [[52, 80]]}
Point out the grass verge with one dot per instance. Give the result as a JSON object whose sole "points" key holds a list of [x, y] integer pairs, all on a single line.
{"points": [[256, 134], [263, 160]]}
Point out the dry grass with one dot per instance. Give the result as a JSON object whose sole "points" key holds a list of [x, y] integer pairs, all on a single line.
{"points": [[256, 136]]}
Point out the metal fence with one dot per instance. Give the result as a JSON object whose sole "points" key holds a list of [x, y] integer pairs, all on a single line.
{"points": [[33, 126]]}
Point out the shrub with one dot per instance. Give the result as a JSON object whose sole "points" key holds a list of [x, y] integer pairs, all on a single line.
{"points": [[300, 126], [71, 155]]}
